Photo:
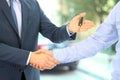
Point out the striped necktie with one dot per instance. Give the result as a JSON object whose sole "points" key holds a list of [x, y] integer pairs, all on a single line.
{"points": [[13, 12]]}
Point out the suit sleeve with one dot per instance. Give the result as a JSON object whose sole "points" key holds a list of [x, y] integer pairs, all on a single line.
{"points": [[13, 56], [51, 31]]}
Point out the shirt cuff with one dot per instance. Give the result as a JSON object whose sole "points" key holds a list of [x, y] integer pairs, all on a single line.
{"points": [[28, 59], [69, 33]]}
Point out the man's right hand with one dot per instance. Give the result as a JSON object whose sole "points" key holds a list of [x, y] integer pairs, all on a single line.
{"points": [[43, 61]]}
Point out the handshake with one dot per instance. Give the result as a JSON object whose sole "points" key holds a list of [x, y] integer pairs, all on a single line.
{"points": [[43, 59]]}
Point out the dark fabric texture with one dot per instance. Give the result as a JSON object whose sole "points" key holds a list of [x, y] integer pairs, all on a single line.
{"points": [[14, 51]]}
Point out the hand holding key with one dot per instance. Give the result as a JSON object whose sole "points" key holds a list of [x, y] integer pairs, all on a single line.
{"points": [[78, 24]]}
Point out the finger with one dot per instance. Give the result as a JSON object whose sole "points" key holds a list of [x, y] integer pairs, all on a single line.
{"points": [[41, 51], [50, 64], [84, 29], [83, 14], [87, 22], [41, 68], [35, 66], [38, 51], [38, 67], [76, 18], [52, 59], [48, 68], [87, 25], [30, 64]]}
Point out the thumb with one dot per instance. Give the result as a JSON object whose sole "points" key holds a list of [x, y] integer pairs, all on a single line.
{"points": [[45, 51], [83, 14]]}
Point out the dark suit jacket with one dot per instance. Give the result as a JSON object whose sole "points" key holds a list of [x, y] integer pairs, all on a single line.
{"points": [[14, 50]]}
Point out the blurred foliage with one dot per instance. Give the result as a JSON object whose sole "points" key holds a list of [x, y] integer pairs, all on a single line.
{"points": [[96, 10], [110, 50]]}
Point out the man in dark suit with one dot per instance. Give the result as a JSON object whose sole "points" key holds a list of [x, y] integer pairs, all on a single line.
{"points": [[18, 39]]}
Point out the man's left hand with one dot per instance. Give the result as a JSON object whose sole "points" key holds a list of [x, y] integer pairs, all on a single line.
{"points": [[74, 26]]}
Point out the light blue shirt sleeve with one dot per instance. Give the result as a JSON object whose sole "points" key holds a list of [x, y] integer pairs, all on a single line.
{"points": [[104, 37]]}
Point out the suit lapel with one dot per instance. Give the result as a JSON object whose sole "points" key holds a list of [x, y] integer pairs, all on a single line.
{"points": [[25, 19], [8, 14]]}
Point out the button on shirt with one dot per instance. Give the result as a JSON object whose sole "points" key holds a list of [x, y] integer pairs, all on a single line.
{"points": [[107, 34]]}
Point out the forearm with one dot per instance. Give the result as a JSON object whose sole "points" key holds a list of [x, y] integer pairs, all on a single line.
{"points": [[79, 51]]}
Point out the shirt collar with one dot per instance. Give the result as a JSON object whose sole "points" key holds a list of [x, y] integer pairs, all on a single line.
{"points": [[9, 0]]}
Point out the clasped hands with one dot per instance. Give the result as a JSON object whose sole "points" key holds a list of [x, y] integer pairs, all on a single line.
{"points": [[42, 60]]}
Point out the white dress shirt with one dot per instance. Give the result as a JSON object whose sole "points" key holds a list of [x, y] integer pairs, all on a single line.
{"points": [[17, 8]]}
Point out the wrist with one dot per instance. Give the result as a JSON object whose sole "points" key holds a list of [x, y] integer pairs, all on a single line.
{"points": [[32, 57]]}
